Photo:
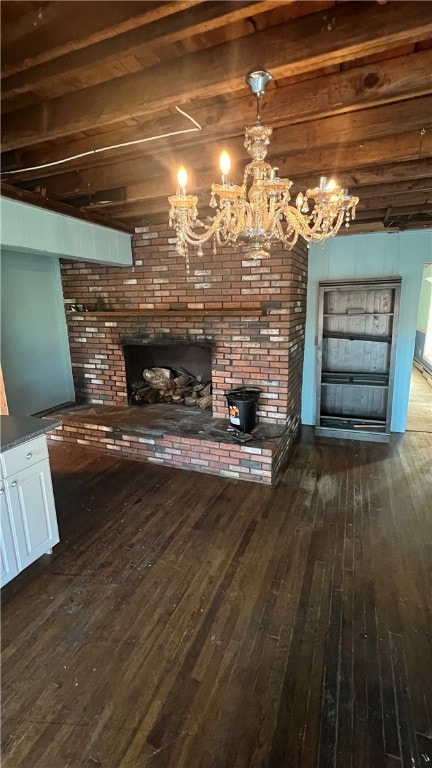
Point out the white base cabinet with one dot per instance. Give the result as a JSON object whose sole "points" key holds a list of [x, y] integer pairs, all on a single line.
{"points": [[28, 516], [8, 561]]}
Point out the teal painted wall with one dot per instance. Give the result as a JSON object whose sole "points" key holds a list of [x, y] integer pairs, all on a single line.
{"points": [[34, 345], [360, 256], [35, 230]]}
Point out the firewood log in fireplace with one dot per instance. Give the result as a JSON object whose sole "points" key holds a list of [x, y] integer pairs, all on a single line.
{"points": [[165, 385], [165, 395], [181, 381], [145, 395], [205, 402], [184, 391], [205, 390]]}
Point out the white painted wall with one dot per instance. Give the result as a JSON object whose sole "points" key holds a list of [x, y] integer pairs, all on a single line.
{"points": [[359, 256]]}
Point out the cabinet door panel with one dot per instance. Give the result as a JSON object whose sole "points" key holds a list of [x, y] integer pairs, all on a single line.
{"points": [[8, 561], [35, 519]]}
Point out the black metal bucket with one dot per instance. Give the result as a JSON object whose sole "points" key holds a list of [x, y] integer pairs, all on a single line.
{"points": [[242, 408]]}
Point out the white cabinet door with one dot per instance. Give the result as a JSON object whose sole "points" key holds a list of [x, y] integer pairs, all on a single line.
{"points": [[8, 561], [34, 517]]}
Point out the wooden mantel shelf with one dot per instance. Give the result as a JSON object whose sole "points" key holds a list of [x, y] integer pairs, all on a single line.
{"points": [[255, 311]]}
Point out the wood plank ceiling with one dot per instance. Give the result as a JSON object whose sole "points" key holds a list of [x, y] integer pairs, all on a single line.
{"points": [[350, 98]]}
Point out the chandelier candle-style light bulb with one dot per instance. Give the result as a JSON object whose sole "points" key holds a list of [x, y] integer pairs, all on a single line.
{"points": [[225, 166], [258, 212], [182, 179]]}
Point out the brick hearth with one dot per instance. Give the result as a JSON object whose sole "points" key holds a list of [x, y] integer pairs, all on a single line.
{"points": [[253, 312], [182, 437]]}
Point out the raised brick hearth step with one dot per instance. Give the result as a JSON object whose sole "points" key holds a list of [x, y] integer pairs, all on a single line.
{"points": [[176, 436]]}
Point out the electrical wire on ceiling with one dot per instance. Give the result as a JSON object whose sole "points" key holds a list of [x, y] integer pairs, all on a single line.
{"points": [[197, 127]]}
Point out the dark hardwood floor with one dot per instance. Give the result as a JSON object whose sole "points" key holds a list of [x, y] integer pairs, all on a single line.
{"points": [[191, 621]]}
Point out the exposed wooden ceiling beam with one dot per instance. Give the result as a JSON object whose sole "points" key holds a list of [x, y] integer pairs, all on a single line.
{"points": [[163, 31], [398, 222], [395, 210], [159, 205], [367, 86], [336, 131], [352, 31], [367, 227], [419, 168], [107, 199], [43, 35], [130, 209], [418, 199], [159, 173], [362, 228], [163, 125], [396, 188]]}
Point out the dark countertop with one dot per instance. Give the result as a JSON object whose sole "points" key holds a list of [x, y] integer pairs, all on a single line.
{"points": [[15, 430]]}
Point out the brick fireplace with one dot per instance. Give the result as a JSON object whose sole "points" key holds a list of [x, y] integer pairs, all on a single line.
{"points": [[250, 313]]}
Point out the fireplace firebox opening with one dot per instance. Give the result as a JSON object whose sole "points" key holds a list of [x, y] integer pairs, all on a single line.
{"points": [[167, 370]]}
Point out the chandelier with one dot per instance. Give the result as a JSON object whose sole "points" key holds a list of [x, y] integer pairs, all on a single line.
{"points": [[258, 212]]}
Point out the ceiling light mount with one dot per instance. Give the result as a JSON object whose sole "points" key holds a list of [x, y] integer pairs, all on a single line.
{"points": [[257, 82]]}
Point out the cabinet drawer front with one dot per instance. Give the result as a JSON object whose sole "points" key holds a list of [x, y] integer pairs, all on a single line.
{"points": [[24, 455]]}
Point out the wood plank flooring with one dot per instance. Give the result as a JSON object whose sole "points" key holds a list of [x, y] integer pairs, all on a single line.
{"points": [[420, 404], [190, 621]]}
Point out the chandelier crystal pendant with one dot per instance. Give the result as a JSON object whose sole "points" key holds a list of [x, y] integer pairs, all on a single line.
{"points": [[258, 212]]}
